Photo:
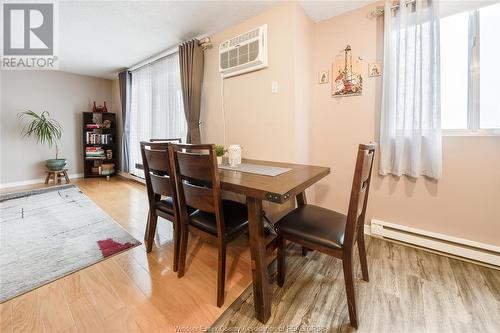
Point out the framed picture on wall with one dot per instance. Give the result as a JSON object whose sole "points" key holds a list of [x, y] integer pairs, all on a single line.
{"points": [[346, 74], [323, 77], [375, 69]]}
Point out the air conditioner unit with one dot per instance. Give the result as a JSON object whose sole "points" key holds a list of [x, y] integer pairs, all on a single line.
{"points": [[244, 53]]}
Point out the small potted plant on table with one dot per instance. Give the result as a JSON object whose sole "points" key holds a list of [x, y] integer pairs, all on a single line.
{"points": [[219, 151], [46, 130]]}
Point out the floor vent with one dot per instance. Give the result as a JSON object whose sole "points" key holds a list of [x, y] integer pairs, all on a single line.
{"points": [[464, 248]]}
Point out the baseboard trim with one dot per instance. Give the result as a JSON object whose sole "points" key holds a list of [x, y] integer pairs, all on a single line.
{"points": [[34, 181], [367, 230], [438, 243], [131, 177]]}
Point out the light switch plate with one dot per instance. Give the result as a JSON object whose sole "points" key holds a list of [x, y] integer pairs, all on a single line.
{"points": [[274, 86]]}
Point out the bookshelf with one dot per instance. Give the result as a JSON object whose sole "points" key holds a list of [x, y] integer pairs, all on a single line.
{"points": [[99, 144]]}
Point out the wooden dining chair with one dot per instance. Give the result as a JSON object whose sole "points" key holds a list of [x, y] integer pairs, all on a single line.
{"points": [[162, 195], [331, 232], [198, 186], [174, 140]]}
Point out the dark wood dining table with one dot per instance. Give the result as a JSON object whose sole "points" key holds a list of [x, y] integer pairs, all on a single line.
{"points": [[277, 189]]}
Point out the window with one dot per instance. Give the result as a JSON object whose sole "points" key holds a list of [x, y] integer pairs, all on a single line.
{"points": [[470, 71], [156, 106]]}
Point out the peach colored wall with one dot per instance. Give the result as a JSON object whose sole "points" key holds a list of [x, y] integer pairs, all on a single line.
{"points": [[304, 42], [260, 121], [303, 123], [464, 203]]}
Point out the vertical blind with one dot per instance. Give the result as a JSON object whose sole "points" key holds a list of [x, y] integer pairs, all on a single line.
{"points": [[156, 110]]}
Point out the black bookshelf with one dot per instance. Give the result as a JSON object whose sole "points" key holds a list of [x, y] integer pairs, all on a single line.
{"points": [[98, 142]]}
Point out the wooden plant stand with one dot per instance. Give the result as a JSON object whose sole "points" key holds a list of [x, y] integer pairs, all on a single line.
{"points": [[57, 175]]}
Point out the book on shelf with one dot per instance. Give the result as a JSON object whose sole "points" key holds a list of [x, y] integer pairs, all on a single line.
{"points": [[97, 138], [94, 152]]}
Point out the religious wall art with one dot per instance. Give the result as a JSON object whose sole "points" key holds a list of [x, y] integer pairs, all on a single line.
{"points": [[346, 74], [323, 77], [374, 69]]}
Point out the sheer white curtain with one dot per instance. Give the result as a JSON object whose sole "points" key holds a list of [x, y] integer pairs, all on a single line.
{"points": [[410, 124], [156, 110]]}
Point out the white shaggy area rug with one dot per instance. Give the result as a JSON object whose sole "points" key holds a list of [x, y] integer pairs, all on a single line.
{"points": [[48, 233]]}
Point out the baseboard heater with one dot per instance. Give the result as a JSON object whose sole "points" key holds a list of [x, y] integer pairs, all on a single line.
{"points": [[464, 248]]}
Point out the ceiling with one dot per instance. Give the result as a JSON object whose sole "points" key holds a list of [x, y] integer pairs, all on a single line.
{"points": [[100, 38], [319, 10]]}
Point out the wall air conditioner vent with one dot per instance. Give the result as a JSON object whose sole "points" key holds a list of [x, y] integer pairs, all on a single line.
{"points": [[244, 53]]}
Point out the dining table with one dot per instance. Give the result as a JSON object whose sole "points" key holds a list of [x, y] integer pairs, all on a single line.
{"points": [[279, 189]]}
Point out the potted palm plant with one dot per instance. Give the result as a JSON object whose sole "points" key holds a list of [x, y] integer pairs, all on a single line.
{"points": [[45, 130]]}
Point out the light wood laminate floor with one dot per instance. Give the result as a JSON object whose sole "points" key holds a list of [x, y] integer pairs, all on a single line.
{"points": [[133, 291], [410, 290]]}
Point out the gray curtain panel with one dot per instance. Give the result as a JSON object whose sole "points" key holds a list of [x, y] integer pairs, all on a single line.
{"points": [[125, 80], [191, 61]]}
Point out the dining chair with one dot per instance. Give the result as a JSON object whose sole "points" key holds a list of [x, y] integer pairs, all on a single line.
{"points": [[215, 219], [161, 190], [331, 232], [176, 140]]}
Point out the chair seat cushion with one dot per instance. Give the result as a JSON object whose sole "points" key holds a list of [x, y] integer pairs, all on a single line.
{"points": [[166, 205], [315, 225], [235, 219]]}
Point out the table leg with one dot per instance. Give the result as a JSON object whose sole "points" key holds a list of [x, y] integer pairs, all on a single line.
{"points": [[261, 288], [47, 178]]}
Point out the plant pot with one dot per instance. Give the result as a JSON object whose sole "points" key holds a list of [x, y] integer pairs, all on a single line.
{"points": [[219, 160], [55, 164]]}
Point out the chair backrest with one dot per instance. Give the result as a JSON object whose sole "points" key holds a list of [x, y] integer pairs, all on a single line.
{"points": [[174, 140], [359, 193], [158, 172], [198, 182]]}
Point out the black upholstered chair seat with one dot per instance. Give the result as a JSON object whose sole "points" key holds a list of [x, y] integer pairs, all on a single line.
{"points": [[166, 205], [314, 224], [235, 218]]}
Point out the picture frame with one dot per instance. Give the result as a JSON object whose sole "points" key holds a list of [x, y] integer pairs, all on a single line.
{"points": [[347, 78], [324, 77], [375, 69]]}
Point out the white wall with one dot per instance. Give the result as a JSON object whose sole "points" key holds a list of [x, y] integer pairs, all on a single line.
{"points": [[65, 96]]}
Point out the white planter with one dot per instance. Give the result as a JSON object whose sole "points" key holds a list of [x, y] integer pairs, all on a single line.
{"points": [[219, 160]]}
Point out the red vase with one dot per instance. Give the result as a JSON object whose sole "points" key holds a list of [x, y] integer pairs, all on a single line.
{"points": [[94, 108], [104, 109]]}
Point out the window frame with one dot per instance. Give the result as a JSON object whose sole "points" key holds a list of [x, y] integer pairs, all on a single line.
{"points": [[473, 86]]}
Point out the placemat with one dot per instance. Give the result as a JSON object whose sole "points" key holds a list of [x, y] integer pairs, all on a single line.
{"points": [[258, 169]]}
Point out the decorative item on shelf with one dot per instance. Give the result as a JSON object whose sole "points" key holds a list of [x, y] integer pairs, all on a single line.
{"points": [[107, 169], [106, 124], [234, 152], [94, 108], [323, 77], [109, 154], [348, 80], [46, 130], [219, 151], [375, 69], [104, 108]]}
